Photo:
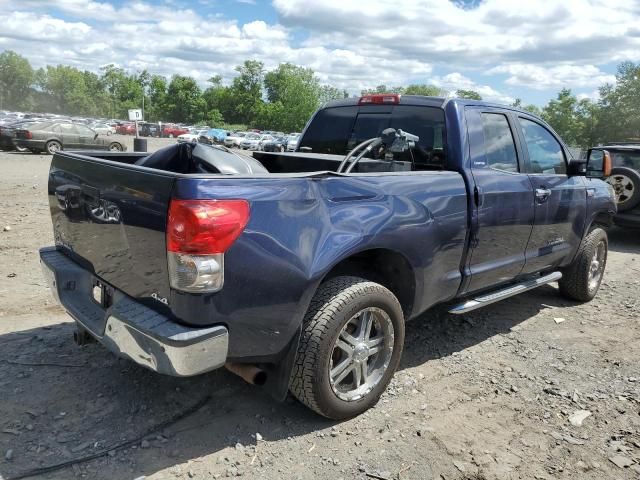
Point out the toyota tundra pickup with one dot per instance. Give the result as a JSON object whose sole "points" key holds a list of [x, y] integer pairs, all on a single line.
{"points": [[299, 270]]}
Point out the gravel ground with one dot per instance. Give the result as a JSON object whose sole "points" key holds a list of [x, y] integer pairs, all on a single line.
{"points": [[495, 394]]}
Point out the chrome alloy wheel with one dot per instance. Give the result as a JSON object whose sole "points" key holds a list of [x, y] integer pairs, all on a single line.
{"points": [[623, 187], [361, 354], [596, 268]]}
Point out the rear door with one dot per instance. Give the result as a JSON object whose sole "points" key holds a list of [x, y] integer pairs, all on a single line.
{"points": [[560, 199], [503, 198]]}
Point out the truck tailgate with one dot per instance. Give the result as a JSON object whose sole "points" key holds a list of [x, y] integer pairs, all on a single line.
{"points": [[111, 218]]}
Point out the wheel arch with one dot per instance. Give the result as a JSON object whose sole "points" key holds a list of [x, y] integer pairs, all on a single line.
{"points": [[385, 266]]}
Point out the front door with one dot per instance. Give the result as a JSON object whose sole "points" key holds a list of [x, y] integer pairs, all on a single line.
{"points": [[503, 197], [560, 200]]}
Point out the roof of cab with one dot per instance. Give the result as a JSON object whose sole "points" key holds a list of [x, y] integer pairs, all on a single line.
{"points": [[404, 100], [420, 100]]}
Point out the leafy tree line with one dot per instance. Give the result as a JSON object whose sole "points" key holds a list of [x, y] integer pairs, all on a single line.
{"points": [[281, 99]]}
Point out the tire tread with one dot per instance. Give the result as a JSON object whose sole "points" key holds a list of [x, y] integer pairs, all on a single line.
{"points": [[332, 296]]}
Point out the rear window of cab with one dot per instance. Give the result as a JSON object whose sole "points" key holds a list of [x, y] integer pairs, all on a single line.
{"points": [[336, 130]]}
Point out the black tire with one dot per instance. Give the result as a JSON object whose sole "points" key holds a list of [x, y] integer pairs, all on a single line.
{"points": [[282, 148], [626, 184], [332, 307], [115, 147], [53, 146], [576, 283]]}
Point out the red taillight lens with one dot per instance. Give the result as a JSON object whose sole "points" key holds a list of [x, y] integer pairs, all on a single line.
{"points": [[205, 227], [378, 99]]}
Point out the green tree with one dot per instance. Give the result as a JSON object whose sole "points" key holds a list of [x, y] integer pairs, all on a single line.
{"points": [[328, 93], [184, 102], [155, 105], [426, 90], [619, 115], [292, 91], [246, 92], [470, 94], [16, 79]]}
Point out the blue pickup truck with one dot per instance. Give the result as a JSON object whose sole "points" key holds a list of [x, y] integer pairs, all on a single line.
{"points": [[298, 270]]}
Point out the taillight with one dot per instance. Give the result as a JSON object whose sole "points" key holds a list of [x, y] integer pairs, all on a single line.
{"points": [[382, 98], [198, 234]]}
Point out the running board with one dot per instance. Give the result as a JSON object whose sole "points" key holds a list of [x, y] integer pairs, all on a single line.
{"points": [[498, 295]]}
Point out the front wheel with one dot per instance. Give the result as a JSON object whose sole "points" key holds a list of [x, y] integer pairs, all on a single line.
{"points": [[115, 147], [350, 347], [582, 278]]}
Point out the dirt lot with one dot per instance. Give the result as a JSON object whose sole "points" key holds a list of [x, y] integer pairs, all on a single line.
{"points": [[487, 395]]}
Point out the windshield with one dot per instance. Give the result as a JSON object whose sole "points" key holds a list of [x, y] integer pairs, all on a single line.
{"points": [[337, 130], [252, 136], [626, 158]]}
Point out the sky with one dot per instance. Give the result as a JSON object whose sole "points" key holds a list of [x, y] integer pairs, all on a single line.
{"points": [[504, 49]]}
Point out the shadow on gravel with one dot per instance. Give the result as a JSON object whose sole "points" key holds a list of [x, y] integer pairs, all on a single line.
{"points": [[624, 240], [84, 399], [438, 333]]}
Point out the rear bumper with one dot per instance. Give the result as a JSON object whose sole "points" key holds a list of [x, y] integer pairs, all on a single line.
{"points": [[129, 328]]}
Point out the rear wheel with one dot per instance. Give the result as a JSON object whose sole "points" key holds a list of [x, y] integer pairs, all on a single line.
{"points": [[581, 280], [53, 146], [351, 344]]}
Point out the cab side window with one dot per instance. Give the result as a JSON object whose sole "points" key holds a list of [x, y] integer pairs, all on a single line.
{"points": [[545, 153], [500, 148]]}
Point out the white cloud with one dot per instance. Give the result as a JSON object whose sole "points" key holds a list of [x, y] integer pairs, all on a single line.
{"points": [[559, 76], [456, 81], [537, 45]]}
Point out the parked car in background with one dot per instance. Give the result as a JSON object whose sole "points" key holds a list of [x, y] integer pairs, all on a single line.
{"points": [[234, 139], [8, 134], [277, 144], [103, 128], [214, 135], [254, 141], [625, 180], [126, 129], [191, 136], [54, 136], [148, 129], [172, 131], [292, 142]]}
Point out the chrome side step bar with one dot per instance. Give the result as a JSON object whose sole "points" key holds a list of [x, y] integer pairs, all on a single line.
{"points": [[487, 299]]}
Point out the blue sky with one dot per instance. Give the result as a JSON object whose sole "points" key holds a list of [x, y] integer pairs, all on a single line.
{"points": [[501, 48]]}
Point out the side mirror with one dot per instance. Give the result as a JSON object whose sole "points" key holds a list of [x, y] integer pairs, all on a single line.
{"points": [[599, 163]]}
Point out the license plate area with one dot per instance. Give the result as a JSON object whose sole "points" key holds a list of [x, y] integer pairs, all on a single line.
{"points": [[102, 294]]}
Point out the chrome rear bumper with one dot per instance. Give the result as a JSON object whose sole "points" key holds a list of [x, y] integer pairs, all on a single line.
{"points": [[129, 328]]}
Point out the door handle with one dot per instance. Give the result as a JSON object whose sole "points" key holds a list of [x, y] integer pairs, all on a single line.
{"points": [[542, 194]]}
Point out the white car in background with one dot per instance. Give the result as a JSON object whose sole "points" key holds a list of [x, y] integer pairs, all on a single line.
{"points": [[191, 137], [234, 139], [103, 129], [292, 142], [253, 141]]}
